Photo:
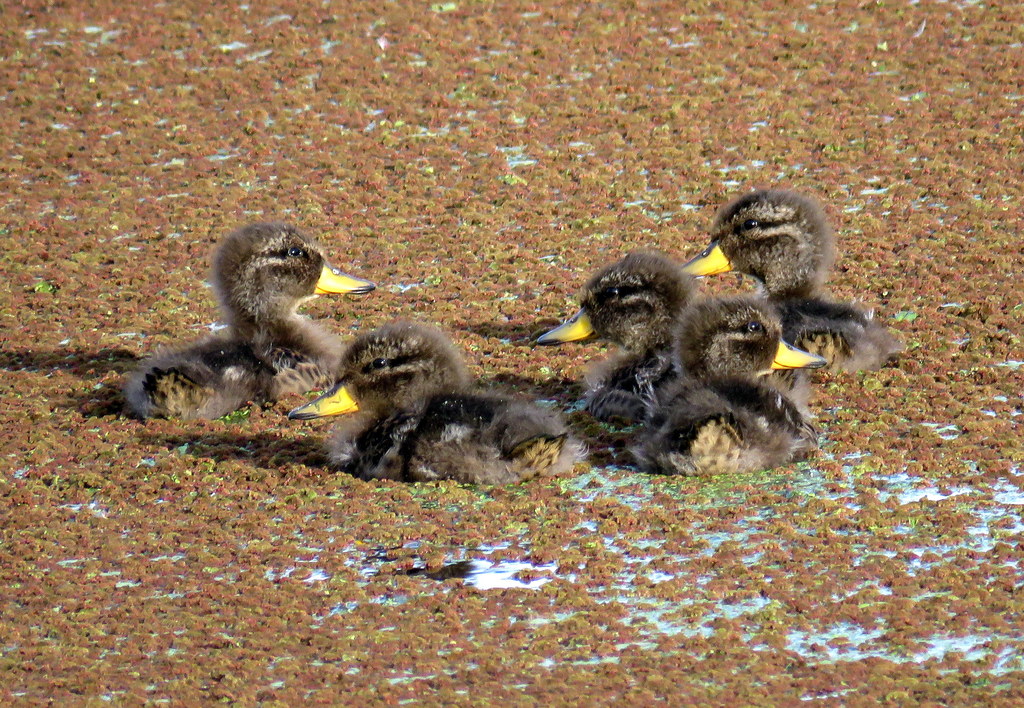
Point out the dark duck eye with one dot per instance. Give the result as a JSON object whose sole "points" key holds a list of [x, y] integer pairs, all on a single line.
{"points": [[754, 327], [749, 225], [296, 252], [619, 292], [378, 363]]}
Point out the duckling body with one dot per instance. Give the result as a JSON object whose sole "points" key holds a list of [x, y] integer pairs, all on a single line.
{"points": [[419, 420], [721, 415], [261, 273], [633, 303], [783, 239]]}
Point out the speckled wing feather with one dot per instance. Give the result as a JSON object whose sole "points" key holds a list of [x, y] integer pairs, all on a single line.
{"points": [[624, 386], [535, 456], [173, 394]]}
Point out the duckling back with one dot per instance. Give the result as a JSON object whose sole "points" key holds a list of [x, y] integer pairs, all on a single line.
{"points": [[463, 437], [723, 426]]}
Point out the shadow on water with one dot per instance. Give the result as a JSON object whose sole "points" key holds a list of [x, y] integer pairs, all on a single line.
{"points": [[263, 450], [520, 334], [103, 399], [564, 391], [80, 362]]}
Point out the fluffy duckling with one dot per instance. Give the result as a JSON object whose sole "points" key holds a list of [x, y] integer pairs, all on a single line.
{"points": [[782, 239], [261, 273], [633, 303], [420, 421], [720, 414]]}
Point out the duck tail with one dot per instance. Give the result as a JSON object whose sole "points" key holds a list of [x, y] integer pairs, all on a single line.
{"points": [[539, 453], [174, 394]]}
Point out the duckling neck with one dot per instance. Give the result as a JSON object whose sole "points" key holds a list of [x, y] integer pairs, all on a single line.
{"points": [[793, 284], [705, 371], [648, 342], [252, 326], [292, 332]]}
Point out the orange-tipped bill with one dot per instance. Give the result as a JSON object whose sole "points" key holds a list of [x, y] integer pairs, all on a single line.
{"points": [[711, 261], [573, 329], [789, 357], [335, 402], [333, 280]]}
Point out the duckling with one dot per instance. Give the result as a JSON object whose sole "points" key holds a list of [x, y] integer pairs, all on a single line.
{"points": [[633, 303], [720, 414], [420, 420], [782, 239], [261, 273]]}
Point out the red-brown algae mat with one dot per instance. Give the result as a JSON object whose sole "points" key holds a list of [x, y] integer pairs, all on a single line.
{"points": [[477, 161]]}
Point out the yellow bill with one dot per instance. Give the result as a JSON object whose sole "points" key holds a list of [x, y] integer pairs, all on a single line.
{"points": [[573, 329], [334, 281], [335, 402], [711, 261], [789, 357]]}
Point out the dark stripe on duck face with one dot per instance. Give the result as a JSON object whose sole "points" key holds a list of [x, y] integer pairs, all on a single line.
{"points": [[759, 228], [752, 343], [621, 293], [616, 304], [292, 277], [393, 363], [639, 304]]}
